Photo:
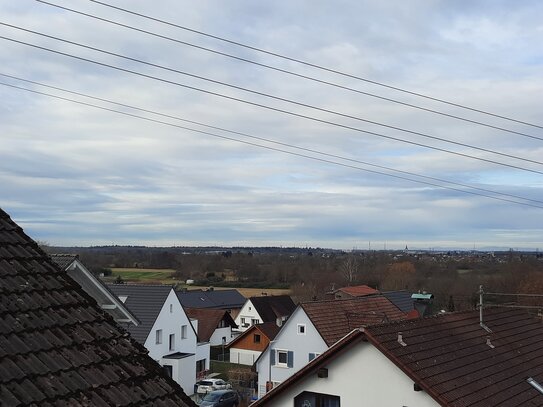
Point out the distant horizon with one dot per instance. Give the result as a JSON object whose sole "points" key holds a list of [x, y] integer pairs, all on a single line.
{"points": [[395, 122]]}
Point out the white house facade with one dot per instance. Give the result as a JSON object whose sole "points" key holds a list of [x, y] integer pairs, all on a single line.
{"points": [[297, 343], [248, 316], [167, 332], [347, 381]]}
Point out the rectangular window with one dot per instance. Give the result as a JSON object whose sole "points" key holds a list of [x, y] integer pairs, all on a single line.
{"points": [[172, 341], [254, 321], [256, 338], [183, 332], [169, 370], [158, 336], [301, 329], [285, 358], [171, 308], [313, 356]]}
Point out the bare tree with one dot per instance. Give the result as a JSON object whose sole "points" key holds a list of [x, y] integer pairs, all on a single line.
{"points": [[349, 269]]}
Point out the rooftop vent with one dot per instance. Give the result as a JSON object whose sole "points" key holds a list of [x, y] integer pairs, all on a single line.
{"points": [[489, 344], [400, 339], [535, 384]]}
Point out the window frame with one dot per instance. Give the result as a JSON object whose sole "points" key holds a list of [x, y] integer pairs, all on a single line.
{"points": [[301, 329], [158, 337]]}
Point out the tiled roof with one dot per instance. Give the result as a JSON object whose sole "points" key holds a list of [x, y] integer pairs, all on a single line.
{"points": [[208, 320], [145, 302], [269, 329], [64, 260], [222, 299], [273, 306], [336, 318], [402, 299], [58, 348], [358, 290], [448, 356]]}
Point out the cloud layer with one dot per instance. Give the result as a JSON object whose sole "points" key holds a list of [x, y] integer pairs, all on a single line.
{"points": [[72, 174]]}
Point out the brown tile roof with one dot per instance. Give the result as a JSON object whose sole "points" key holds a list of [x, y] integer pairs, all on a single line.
{"points": [[358, 290], [449, 358], [336, 318], [208, 320], [269, 329], [273, 306], [57, 347]]}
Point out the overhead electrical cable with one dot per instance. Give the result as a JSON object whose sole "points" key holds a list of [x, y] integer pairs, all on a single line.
{"points": [[249, 135], [316, 66], [328, 161], [296, 74], [281, 99]]}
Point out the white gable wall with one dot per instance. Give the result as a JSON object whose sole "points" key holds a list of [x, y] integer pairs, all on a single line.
{"points": [[249, 315], [362, 376], [289, 339], [219, 333], [171, 323]]}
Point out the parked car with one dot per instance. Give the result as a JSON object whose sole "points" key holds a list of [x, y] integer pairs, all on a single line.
{"points": [[220, 398], [208, 385]]}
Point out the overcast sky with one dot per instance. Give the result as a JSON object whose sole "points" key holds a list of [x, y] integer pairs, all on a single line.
{"points": [[72, 174]]}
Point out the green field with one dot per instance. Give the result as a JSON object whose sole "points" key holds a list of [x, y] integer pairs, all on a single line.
{"points": [[146, 276]]}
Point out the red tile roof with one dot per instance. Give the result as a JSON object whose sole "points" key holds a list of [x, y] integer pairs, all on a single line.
{"points": [[336, 318], [208, 320], [448, 356], [358, 290]]}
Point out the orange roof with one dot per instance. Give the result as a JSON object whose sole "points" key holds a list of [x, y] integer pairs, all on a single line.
{"points": [[359, 290]]}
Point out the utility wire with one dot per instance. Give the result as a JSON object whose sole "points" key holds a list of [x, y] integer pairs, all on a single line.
{"points": [[296, 74], [328, 161], [320, 67], [252, 136], [289, 112], [267, 95]]}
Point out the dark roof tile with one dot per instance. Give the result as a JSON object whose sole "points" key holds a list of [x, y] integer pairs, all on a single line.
{"points": [[334, 319], [57, 348]]}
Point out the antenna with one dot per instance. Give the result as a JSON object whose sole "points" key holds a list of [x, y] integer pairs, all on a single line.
{"points": [[481, 306]]}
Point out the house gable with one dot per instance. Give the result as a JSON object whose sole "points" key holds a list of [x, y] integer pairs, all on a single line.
{"points": [[339, 373]]}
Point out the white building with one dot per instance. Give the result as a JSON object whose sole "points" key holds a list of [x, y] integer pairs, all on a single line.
{"points": [[313, 328], [166, 331], [258, 310]]}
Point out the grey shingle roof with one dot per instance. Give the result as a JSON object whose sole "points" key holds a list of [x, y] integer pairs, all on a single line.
{"points": [[222, 299], [402, 299], [58, 348], [274, 306], [145, 302]]}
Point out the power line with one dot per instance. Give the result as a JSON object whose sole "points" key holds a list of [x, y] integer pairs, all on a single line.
{"points": [[288, 72], [290, 112], [275, 97], [283, 151], [252, 136], [320, 67]]}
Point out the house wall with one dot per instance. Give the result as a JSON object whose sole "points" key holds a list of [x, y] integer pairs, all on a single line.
{"points": [[288, 339], [362, 376], [248, 312], [243, 356], [219, 333], [248, 341], [171, 323], [183, 372], [202, 352]]}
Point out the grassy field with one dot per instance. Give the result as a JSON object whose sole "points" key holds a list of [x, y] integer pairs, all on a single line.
{"points": [[164, 276], [144, 276]]}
